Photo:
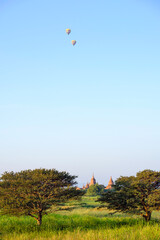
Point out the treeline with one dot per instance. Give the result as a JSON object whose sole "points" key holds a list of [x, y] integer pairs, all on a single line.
{"points": [[34, 192]]}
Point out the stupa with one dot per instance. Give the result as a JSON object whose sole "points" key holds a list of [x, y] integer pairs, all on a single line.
{"points": [[110, 183], [93, 181]]}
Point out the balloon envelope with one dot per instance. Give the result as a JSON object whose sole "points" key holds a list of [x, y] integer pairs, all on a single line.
{"points": [[73, 42], [68, 31]]}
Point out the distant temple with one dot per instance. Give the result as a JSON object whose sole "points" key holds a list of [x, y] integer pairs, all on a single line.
{"points": [[87, 186], [93, 182], [109, 186]]}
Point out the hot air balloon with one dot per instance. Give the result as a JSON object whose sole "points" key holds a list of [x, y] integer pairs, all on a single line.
{"points": [[68, 31], [73, 42]]}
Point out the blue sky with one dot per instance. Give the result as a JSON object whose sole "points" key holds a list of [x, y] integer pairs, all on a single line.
{"points": [[94, 107]]}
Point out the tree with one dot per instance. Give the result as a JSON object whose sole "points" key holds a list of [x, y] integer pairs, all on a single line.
{"points": [[139, 195], [33, 192], [95, 190]]}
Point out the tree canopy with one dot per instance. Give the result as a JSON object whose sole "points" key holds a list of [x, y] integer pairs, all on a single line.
{"points": [[33, 192], [139, 195], [95, 190]]}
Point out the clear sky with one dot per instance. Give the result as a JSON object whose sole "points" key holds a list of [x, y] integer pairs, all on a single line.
{"points": [[94, 107]]}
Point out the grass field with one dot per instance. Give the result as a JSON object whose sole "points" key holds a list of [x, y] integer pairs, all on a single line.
{"points": [[81, 221]]}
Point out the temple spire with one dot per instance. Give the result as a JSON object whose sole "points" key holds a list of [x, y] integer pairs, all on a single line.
{"points": [[93, 180], [110, 183]]}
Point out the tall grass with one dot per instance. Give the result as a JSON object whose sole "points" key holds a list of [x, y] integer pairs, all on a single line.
{"points": [[78, 227], [83, 222], [124, 233]]}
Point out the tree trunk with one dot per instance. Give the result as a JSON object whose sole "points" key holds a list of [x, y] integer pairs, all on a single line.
{"points": [[39, 219], [147, 216]]}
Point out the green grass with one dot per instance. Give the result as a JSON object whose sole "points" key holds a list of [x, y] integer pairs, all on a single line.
{"points": [[84, 221]]}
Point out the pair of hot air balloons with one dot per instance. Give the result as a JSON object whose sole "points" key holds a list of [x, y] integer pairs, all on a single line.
{"points": [[68, 31]]}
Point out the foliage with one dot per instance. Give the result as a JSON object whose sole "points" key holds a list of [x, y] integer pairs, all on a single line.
{"points": [[139, 195], [33, 192], [95, 190]]}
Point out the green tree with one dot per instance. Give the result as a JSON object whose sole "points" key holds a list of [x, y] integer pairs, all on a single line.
{"points": [[33, 192], [138, 195], [95, 190]]}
